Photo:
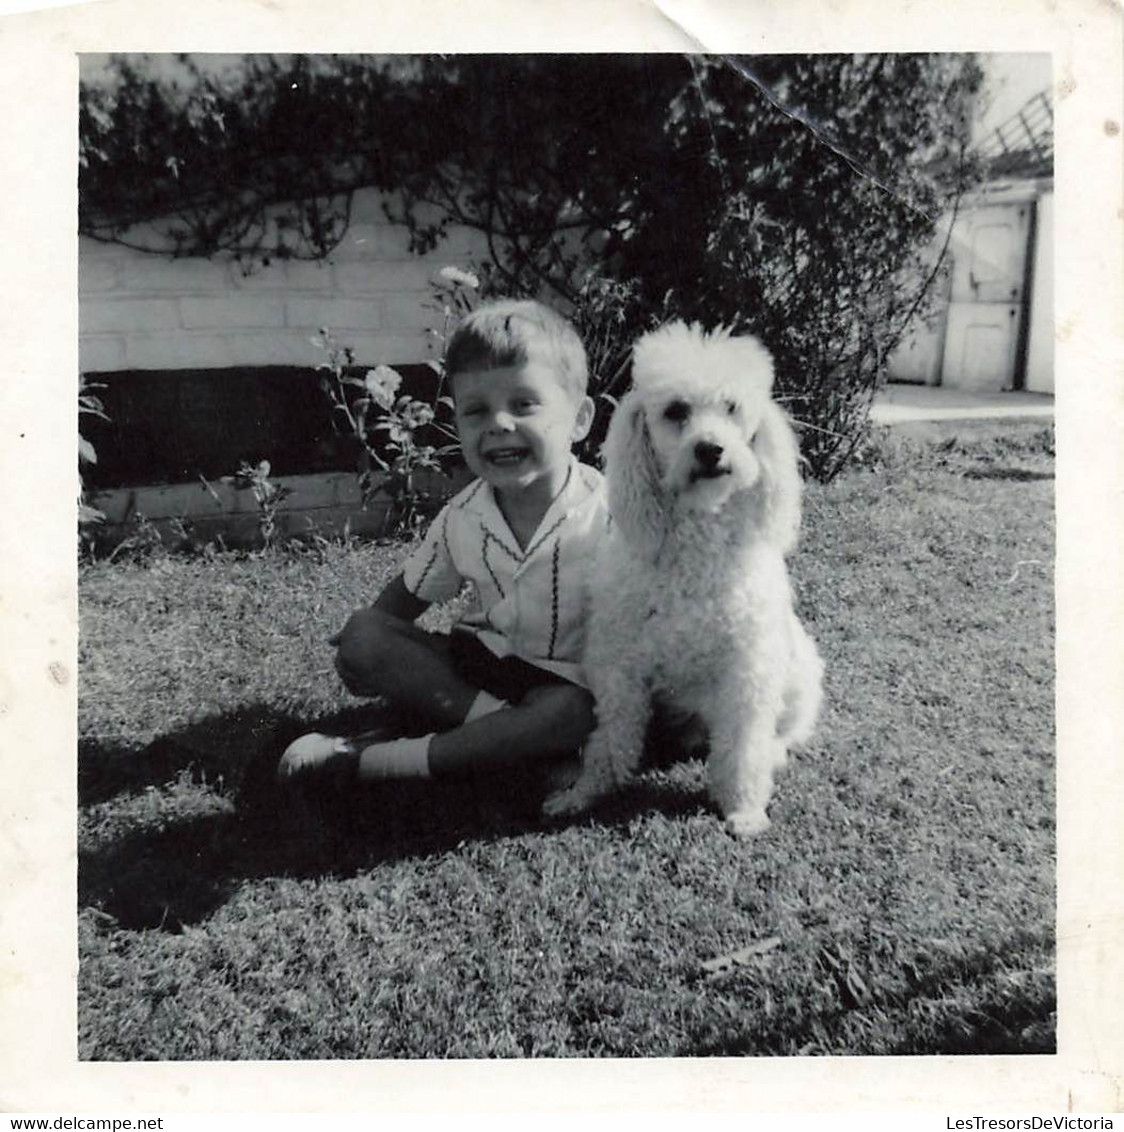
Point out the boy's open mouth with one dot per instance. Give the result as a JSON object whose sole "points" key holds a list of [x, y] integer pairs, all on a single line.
{"points": [[506, 457]]}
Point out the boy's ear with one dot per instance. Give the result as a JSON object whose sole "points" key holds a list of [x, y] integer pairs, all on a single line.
{"points": [[583, 422]]}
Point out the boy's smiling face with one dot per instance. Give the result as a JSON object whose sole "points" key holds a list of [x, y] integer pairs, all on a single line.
{"points": [[517, 424]]}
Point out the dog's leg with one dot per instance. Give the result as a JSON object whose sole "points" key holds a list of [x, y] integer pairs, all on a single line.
{"points": [[804, 690], [613, 751], [745, 751]]}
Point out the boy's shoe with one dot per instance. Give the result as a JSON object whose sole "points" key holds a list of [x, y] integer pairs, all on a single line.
{"points": [[312, 753], [263, 791], [332, 758]]}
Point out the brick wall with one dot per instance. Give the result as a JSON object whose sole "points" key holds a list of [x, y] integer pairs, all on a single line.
{"points": [[139, 311]]}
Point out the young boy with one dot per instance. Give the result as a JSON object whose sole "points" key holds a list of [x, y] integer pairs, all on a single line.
{"points": [[504, 688]]}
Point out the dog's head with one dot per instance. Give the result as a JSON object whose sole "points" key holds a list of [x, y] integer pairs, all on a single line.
{"points": [[699, 432]]}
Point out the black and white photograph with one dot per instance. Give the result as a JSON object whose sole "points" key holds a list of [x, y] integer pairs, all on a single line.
{"points": [[569, 563]]}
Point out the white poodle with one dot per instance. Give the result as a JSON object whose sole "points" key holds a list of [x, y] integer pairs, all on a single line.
{"points": [[691, 599]]}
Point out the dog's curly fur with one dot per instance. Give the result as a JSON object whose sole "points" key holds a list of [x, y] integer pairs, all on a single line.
{"points": [[691, 598]]}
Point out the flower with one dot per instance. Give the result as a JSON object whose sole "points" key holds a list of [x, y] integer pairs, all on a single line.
{"points": [[382, 383], [416, 415], [405, 420], [459, 278]]}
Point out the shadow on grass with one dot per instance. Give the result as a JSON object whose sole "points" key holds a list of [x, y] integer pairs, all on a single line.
{"points": [[174, 870], [211, 750], [1017, 475]]}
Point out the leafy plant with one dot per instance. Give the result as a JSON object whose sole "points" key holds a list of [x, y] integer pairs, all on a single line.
{"points": [[388, 423], [267, 494], [144, 544], [89, 404], [452, 296]]}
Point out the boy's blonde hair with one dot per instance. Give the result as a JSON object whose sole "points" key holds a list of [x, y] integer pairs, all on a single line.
{"points": [[508, 331]]}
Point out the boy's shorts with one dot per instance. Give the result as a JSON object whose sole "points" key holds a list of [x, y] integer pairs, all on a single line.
{"points": [[506, 677]]}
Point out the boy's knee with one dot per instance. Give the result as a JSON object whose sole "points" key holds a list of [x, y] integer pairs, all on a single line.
{"points": [[366, 645], [367, 631], [567, 711]]}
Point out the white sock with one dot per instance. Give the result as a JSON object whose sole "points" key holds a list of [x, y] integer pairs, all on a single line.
{"points": [[484, 704], [399, 758]]}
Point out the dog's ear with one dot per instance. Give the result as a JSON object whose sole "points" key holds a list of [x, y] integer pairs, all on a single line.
{"points": [[636, 496], [777, 450]]}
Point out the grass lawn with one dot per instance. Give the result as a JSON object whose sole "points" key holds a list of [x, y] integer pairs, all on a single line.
{"points": [[902, 903]]}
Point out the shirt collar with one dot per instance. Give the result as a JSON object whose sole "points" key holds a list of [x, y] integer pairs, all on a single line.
{"points": [[482, 502]]}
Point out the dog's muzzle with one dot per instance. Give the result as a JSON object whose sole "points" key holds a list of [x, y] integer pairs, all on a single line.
{"points": [[709, 463]]}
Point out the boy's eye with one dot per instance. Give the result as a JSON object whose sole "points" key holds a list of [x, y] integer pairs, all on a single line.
{"points": [[731, 407], [677, 412]]}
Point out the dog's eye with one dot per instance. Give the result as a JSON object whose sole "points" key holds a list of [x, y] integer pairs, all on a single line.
{"points": [[677, 412], [731, 407]]}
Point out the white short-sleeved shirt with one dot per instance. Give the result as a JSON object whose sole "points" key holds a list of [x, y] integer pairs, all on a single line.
{"points": [[528, 603]]}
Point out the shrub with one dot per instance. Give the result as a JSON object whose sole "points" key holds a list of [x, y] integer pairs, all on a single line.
{"points": [[796, 197]]}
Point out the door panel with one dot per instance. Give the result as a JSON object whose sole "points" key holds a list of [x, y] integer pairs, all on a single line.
{"points": [[990, 254], [917, 358], [988, 281], [980, 346]]}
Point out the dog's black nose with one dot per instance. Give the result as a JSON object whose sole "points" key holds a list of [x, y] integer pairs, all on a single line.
{"points": [[708, 453]]}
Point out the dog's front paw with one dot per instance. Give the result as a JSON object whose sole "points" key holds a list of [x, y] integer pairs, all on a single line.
{"points": [[566, 803], [747, 823]]}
